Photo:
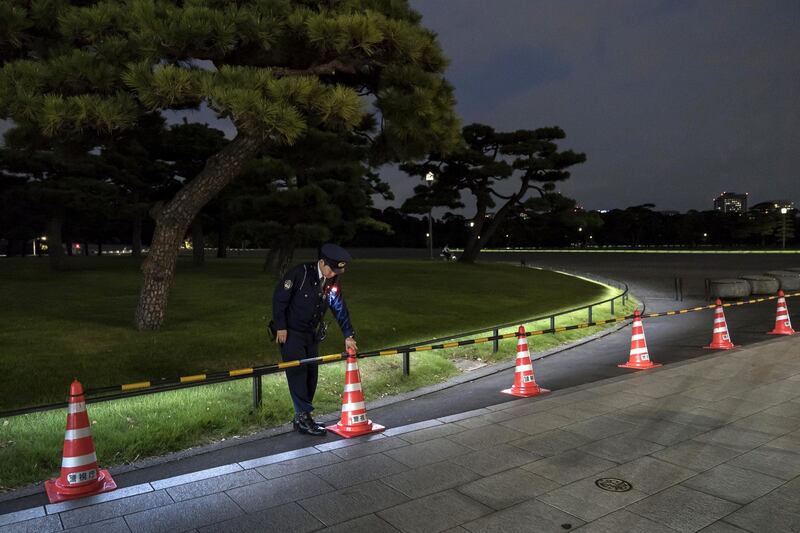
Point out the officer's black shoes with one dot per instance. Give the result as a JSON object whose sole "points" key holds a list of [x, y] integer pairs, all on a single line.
{"points": [[303, 423]]}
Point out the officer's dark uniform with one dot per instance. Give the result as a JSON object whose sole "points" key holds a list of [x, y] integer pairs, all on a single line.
{"points": [[298, 305]]}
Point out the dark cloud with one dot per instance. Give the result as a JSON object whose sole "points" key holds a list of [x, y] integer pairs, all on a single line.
{"points": [[672, 101]]}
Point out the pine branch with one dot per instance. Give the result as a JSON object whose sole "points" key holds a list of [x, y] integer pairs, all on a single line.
{"points": [[325, 69]]}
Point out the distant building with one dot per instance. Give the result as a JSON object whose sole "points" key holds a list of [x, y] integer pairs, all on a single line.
{"points": [[731, 202]]}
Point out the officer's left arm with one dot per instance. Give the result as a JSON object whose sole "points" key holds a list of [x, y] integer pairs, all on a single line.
{"points": [[339, 310]]}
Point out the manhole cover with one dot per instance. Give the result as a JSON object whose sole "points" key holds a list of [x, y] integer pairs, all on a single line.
{"points": [[613, 484]]}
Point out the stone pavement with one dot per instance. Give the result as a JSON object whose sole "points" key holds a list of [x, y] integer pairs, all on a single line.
{"points": [[711, 444]]}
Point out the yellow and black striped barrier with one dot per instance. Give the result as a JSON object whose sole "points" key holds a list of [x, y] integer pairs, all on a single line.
{"points": [[163, 384], [712, 306], [279, 367]]}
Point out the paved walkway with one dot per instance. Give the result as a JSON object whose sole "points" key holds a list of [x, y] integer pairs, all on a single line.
{"points": [[711, 445]]}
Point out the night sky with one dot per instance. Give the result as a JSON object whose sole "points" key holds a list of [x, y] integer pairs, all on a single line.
{"points": [[673, 101]]}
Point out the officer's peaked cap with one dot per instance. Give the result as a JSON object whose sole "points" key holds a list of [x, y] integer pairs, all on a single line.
{"points": [[334, 256]]}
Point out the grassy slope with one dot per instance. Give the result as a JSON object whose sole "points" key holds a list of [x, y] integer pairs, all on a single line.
{"points": [[77, 323]]}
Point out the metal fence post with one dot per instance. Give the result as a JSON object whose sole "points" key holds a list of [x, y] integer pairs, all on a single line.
{"points": [[256, 392], [552, 321], [590, 313], [612, 307], [406, 363], [495, 342]]}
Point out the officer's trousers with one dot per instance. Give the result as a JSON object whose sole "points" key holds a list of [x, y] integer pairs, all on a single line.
{"points": [[302, 379]]}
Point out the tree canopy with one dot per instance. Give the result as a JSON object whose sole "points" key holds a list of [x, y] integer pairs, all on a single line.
{"points": [[276, 68], [528, 160]]}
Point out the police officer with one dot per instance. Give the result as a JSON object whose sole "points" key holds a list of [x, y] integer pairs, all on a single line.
{"points": [[300, 300]]}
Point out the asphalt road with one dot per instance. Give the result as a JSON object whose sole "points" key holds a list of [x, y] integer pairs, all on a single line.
{"points": [[670, 339]]}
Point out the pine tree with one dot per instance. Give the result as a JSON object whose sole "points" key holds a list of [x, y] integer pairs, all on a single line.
{"points": [[273, 67], [485, 161]]}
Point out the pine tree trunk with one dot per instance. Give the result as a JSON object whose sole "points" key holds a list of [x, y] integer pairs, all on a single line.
{"points": [[198, 243], [496, 222], [55, 249], [136, 236], [99, 249], [471, 251], [473, 246], [172, 221]]}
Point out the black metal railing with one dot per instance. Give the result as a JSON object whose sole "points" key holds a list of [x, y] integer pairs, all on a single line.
{"points": [[114, 392]]}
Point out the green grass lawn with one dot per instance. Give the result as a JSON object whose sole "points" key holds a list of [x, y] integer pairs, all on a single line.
{"points": [[78, 324]]}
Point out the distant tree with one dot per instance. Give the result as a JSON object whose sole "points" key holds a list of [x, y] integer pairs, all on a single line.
{"points": [[767, 224], [274, 68], [58, 178], [318, 189], [19, 220], [486, 160]]}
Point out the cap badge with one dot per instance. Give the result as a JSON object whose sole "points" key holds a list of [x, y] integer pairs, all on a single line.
{"points": [[341, 264]]}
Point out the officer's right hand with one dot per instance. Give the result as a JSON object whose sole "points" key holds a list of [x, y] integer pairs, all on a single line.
{"points": [[280, 336]]}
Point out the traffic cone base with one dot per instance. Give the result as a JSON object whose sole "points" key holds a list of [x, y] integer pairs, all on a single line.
{"points": [[721, 338], [354, 421], [783, 331], [351, 431], [58, 492], [525, 385], [644, 365], [783, 324], [80, 474], [526, 392], [721, 345], [639, 357]]}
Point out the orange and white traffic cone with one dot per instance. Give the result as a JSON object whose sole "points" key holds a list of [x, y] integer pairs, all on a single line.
{"points": [[639, 358], [354, 421], [80, 475], [524, 381], [721, 339], [783, 324]]}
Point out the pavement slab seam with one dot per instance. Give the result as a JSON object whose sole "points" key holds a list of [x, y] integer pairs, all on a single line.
{"points": [[684, 509], [195, 476], [277, 457], [118, 494], [22, 516], [695, 483]]}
